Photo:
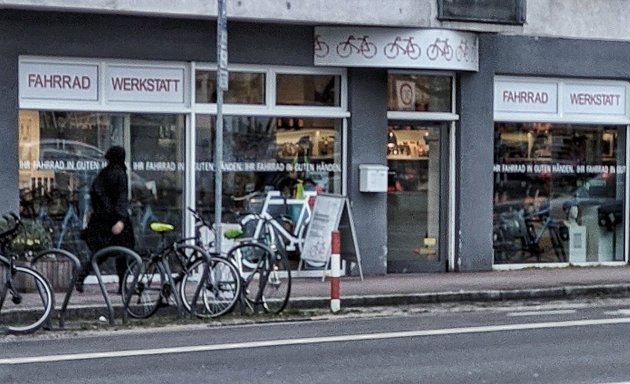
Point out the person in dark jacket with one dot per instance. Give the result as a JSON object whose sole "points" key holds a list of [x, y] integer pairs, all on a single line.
{"points": [[109, 223]]}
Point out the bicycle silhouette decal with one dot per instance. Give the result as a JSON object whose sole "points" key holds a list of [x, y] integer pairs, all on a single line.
{"points": [[402, 46], [465, 51], [359, 45], [440, 48], [321, 48]]}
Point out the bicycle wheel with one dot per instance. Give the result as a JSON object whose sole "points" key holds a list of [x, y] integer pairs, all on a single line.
{"points": [[269, 284], [147, 294], [210, 287], [30, 304]]}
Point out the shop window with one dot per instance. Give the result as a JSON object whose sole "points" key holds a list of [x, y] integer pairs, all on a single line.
{"points": [[407, 92], [244, 87], [266, 153], [60, 153], [308, 90], [559, 192]]}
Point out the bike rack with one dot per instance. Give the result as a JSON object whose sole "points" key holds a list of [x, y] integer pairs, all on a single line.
{"points": [[102, 255], [75, 272]]}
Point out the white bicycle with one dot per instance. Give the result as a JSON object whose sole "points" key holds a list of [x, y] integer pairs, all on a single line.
{"points": [[281, 231]]}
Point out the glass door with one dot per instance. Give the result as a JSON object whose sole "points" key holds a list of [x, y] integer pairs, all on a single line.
{"points": [[415, 157]]}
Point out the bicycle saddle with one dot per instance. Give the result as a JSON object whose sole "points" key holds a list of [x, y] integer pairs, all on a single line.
{"points": [[161, 227]]}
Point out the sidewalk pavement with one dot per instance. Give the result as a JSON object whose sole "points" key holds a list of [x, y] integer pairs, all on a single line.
{"points": [[418, 288]]}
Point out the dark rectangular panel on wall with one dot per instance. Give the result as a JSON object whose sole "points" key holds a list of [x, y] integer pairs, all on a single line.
{"points": [[490, 11]]}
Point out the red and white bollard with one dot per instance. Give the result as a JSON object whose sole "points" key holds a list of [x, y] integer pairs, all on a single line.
{"points": [[335, 267]]}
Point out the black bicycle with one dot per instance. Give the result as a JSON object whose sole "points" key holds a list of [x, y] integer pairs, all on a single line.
{"points": [[31, 300], [206, 286], [520, 234], [265, 272]]}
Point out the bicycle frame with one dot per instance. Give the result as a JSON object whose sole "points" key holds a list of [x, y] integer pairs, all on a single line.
{"points": [[293, 240]]}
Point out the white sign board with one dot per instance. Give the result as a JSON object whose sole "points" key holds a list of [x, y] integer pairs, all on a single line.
{"points": [[324, 220], [58, 81], [560, 98], [51, 82], [396, 48], [521, 96], [127, 83], [594, 99], [327, 215]]}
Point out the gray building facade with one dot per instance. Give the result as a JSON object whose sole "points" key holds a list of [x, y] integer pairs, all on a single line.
{"points": [[460, 217]]}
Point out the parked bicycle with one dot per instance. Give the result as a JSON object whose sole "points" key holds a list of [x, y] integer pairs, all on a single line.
{"points": [[520, 234], [31, 300], [206, 286], [265, 273], [286, 231]]}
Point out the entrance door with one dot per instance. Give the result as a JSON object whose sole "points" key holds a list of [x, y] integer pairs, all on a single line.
{"points": [[416, 199]]}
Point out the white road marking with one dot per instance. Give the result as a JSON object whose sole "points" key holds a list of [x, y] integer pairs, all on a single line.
{"points": [[542, 313], [622, 312], [309, 340]]}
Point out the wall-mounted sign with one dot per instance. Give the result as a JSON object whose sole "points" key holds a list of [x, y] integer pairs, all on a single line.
{"points": [[125, 83], [55, 81], [560, 98], [521, 96], [396, 48], [58, 81], [594, 99]]}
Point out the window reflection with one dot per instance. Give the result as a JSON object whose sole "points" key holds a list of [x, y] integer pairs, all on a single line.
{"points": [[419, 93], [60, 153], [315, 90], [559, 192], [244, 87], [268, 153]]}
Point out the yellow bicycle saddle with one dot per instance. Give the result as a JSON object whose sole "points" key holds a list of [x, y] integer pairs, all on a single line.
{"points": [[161, 227]]}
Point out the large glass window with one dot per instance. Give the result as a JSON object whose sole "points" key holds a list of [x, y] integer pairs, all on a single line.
{"points": [[559, 192], [268, 153], [61, 152]]}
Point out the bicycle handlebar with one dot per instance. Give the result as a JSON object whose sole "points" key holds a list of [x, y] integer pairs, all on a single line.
{"points": [[247, 196]]}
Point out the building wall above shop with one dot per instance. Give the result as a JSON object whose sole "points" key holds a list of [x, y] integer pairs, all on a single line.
{"points": [[580, 19]]}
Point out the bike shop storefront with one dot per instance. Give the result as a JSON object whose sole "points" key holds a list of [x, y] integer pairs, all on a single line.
{"points": [[417, 139], [282, 125], [560, 160]]}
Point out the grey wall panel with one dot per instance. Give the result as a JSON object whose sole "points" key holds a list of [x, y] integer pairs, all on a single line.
{"points": [[8, 132], [366, 144], [474, 158], [561, 57]]}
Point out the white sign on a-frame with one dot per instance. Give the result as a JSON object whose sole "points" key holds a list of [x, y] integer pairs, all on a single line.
{"points": [[325, 218]]}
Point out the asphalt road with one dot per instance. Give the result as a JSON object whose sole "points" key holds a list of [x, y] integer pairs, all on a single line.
{"points": [[577, 342]]}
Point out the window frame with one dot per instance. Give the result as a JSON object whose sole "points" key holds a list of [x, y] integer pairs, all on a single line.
{"points": [[270, 108]]}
